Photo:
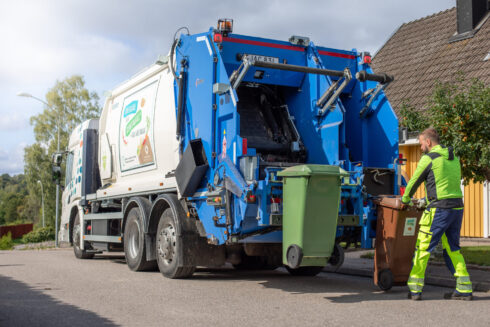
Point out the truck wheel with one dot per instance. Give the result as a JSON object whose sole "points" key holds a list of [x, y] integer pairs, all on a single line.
{"points": [[169, 249], [79, 253], [134, 243], [304, 271]]}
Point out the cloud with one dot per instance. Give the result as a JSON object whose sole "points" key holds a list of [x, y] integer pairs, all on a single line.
{"points": [[12, 162], [14, 121], [3, 155]]}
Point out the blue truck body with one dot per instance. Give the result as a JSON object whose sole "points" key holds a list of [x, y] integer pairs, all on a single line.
{"points": [[254, 113]]}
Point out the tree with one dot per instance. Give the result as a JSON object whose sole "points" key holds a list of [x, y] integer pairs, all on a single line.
{"points": [[13, 192], [70, 104], [460, 112]]}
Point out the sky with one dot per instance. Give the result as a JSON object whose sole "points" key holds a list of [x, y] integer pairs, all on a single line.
{"points": [[108, 41]]}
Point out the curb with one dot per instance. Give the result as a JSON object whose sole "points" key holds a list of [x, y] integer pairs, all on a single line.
{"points": [[429, 280], [46, 245]]}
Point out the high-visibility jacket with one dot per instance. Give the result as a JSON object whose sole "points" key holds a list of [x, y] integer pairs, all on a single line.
{"points": [[441, 171]]}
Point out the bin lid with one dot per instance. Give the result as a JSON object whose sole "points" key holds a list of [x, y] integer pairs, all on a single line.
{"points": [[390, 201], [309, 170]]}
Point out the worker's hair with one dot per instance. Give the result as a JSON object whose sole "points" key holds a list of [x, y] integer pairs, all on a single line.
{"points": [[431, 133]]}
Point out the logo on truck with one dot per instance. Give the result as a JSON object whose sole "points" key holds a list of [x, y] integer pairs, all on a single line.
{"points": [[136, 129]]}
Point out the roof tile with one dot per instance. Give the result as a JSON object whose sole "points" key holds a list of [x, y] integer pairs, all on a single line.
{"points": [[419, 54]]}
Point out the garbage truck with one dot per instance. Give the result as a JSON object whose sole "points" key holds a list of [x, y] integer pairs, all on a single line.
{"points": [[234, 149]]}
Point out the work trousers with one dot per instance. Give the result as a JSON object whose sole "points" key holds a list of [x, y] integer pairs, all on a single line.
{"points": [[437, 225]]}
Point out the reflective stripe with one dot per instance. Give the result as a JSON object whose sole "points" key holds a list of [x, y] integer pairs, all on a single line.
{"points": [[415, 288], [415, 284], [463, 284], [463, 279], [466, 289], [416, 280]]}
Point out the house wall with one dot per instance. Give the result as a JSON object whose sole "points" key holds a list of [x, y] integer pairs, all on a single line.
{"points": [[473, 221]]}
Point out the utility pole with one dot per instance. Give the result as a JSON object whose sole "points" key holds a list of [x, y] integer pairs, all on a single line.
{"points": [[42, 199]]}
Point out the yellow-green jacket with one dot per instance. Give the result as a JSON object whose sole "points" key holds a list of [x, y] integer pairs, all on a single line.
{"points": [[441, 171]]}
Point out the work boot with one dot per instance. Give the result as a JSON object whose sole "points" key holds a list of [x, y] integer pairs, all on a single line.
{"points": [[458, 296], [415, 296]]}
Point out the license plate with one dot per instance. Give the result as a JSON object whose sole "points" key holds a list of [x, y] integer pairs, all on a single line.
{"points": [[262, 58]]}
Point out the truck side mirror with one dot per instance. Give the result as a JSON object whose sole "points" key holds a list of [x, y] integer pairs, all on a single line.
{"points": [[56, 174], [56, 159]]}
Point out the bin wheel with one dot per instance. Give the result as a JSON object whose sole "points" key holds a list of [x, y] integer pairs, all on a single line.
{"points": [[305, 271], [294, 256], [337, 257], [385, 279]]}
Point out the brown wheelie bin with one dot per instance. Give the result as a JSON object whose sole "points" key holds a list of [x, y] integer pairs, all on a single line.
{"points": [[396, 235]]}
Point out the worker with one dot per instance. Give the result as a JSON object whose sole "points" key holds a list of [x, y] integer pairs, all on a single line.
{"points": [[440, 169]]}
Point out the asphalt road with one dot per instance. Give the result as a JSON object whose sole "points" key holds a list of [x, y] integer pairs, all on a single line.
{"points": [[52, 288]]}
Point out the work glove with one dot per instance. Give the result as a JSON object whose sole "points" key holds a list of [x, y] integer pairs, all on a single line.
{"points": [[406, 205], [421, 203]]}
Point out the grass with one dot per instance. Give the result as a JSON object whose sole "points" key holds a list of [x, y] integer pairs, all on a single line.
{"points": [[475, 255], [39, 247]]}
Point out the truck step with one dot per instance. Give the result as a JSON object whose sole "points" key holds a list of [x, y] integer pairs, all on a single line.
{"points": [[103, 238], [104, 215]]}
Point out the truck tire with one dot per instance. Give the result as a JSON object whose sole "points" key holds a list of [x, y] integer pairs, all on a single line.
{"points": [[79, 253], [304, 271], [169, 249], [134, 243]]}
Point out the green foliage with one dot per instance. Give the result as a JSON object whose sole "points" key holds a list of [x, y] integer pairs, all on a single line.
{"points": [[6, 242], [460, 112], [13, 192], [413, 119], [39, 235], [15, 222], [477, 255], [70, 104]]}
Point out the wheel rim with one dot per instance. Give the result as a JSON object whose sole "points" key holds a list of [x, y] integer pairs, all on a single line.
{"points": [[167, 244], [134, 238]]}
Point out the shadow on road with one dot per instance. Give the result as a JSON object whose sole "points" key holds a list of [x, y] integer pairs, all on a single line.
{"points": [[344, 289], [347, 289], [22, 305]]}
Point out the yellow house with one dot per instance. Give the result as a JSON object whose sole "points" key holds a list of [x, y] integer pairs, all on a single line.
{"points": [[476, 220]]}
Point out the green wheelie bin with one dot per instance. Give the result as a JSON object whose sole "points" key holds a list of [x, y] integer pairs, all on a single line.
{"points": [[311, 196]]}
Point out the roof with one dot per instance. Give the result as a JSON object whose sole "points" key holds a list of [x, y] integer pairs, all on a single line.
{"points": [[419, 53]]}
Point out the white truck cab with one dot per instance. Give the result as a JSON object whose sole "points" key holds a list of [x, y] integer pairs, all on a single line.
{"points": [[71, 195]]}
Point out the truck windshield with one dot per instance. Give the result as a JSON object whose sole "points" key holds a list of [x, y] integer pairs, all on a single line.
{"points": [[69, 168]]}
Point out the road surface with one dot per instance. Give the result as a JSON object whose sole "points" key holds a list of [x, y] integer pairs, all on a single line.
{"points": [[52, 288]]}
